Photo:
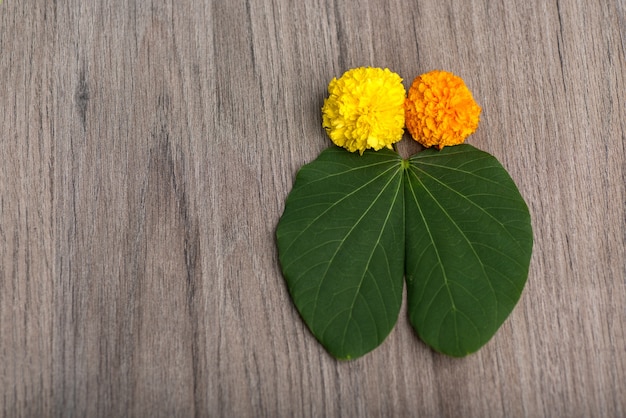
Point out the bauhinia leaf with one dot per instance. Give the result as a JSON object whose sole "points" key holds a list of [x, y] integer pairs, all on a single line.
{"points": [[452, 221], [341, 247], [468, 247]]}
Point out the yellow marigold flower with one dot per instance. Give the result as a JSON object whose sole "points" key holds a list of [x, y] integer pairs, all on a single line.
{"points": [[440, 110], [365, 109]]}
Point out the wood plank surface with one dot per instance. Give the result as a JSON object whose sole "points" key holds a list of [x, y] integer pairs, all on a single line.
{"points": [[146, 151]]}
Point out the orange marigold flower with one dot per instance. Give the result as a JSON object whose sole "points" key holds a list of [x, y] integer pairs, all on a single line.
{"points": [[440, 110]]}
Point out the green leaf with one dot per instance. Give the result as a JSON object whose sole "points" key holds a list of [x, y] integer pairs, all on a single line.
{"points": [[341, 248], [468, 247], [452, 221]]}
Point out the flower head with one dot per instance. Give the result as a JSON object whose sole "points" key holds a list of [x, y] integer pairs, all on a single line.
{"points": [[365, 109], [440, 110]]}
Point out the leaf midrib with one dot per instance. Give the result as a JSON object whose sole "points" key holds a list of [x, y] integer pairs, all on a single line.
{"points": [[343, 241], [382, 229], [414, 171]]}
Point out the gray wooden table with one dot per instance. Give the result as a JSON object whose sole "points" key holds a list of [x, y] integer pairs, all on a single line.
{"points": [[146, 150]]}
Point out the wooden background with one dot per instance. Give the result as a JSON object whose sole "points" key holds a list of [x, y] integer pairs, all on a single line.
{"points": [[146, 151]]}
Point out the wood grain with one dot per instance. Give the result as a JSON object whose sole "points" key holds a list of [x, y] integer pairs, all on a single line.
{"points": [[146, 151]]}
